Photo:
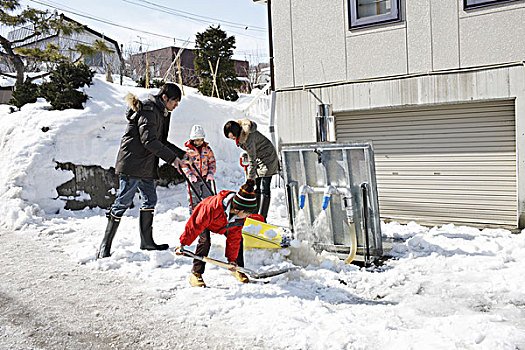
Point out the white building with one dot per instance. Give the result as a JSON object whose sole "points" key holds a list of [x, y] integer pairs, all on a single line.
{"points": [[67, 43], [438, 87]]}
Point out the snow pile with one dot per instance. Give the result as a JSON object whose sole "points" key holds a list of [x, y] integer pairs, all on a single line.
{"points": [[444, 287], [35, 138]]}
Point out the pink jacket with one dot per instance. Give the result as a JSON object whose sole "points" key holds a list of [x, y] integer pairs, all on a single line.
{"points": [[204, 161]]}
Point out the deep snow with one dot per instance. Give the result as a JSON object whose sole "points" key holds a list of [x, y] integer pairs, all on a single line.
{"points": [[445, 287]]}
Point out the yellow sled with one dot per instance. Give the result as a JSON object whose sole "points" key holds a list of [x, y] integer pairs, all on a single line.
{"points": [[257, 234]]}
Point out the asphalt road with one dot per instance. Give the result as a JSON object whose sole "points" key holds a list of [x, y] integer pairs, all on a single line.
{"points": [[49, 302]]}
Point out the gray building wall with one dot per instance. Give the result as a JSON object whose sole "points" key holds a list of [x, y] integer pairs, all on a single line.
{"points": [[313, 45], [439, 53]]}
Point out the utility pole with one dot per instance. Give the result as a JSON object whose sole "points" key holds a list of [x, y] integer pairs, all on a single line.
{"points": [[146, 78]]}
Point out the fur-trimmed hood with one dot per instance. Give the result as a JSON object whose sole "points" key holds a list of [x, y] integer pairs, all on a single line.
{"points": [[262, 155], [247, 127], [136, 105], [133, 102]]}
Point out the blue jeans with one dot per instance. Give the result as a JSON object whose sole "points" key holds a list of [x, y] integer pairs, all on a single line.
{"points": [[127, 189]]}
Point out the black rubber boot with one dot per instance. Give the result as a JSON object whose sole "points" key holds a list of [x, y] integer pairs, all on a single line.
{"points": [[264, 205], [146, 232], [105, 247]]}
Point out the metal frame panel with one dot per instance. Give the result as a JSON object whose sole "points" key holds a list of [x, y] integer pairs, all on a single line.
{"points": [[325, 184]]}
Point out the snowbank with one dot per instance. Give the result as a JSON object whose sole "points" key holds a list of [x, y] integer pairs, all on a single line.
{"points": [[35, 138], [444, 287]]}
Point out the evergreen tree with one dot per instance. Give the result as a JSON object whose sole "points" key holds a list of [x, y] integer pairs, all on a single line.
{"points": [[24, 93], [61, 91], [153, 84], [212, 46]]}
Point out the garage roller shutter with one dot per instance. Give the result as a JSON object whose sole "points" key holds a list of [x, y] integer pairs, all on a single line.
{"points": [[441, 164]]}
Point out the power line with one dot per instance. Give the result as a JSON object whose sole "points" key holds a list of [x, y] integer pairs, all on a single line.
{"points": [[71, 10], [170, 11], [240, 25], [107, 21]]}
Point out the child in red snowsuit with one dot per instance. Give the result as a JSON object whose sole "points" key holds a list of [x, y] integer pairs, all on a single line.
{"points": [[223, 213], [202, 157]]}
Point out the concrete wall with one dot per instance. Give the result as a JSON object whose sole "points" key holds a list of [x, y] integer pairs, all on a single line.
{"points": [[101, 185], [313, 45]]}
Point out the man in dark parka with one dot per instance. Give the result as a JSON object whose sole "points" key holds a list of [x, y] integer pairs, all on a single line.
{"points": [[143, 143]]}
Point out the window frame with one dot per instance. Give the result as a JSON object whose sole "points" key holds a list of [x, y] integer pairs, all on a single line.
{"points": [[467, 6], [354, 22]]}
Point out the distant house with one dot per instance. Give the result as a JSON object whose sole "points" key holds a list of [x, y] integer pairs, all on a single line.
{"points": [[67, 43], [260, 75], [160, 61], [438, 90]]}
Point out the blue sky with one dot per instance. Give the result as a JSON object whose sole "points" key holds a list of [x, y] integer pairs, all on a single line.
{"points": [[156, 23]]}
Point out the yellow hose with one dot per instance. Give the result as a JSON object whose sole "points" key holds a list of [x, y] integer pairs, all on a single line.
{"points": [[353, 242]]}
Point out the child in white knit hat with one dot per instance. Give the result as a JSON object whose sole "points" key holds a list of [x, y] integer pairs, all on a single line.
{"points": [[203, 159]]}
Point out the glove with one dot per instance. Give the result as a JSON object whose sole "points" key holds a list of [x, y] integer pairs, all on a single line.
{"points": [[177, 163], [193, 178], [210, 177], [234, 266], [178, 250]]}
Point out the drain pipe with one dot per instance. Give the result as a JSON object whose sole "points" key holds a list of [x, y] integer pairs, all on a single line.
{"points": [[272, 74], [270, 40], [366, 217], [324, 121]]}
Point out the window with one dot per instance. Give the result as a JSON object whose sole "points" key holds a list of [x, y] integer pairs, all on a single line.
{"points": [[372, 12], [94, 61], [479, 3]]}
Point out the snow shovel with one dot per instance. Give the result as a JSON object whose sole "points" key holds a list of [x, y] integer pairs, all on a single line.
{"points": [[258, 234], [230, 267], [202, 179], [191, 185], [243, 161]]}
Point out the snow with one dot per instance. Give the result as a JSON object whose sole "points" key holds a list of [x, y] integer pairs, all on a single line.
{"points": [[443, 287]]}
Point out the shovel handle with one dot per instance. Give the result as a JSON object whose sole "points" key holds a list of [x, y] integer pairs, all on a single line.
{"points": [[202, 179], [215, 262]]}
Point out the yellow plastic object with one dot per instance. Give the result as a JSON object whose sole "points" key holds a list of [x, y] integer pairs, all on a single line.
{"points": [[257, 234], [353, 242]]}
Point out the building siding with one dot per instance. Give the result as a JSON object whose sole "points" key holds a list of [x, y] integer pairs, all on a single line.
{"points": [[437, 54], [433, 35]]}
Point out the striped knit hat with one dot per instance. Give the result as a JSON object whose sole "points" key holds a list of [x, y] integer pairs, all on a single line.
{"points": [[245, 199]]}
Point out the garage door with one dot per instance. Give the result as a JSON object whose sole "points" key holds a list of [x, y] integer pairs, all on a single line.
{"points": [[441, 164]]}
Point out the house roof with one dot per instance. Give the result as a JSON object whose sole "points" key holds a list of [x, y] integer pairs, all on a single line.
{"points": [[94, 32], [25, 31]]}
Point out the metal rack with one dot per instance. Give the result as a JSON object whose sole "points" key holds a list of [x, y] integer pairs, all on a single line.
{"points": [[339, 180]]}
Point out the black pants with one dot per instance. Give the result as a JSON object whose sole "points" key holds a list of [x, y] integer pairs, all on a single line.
{"points": [[262, 185], [203, 249]]}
